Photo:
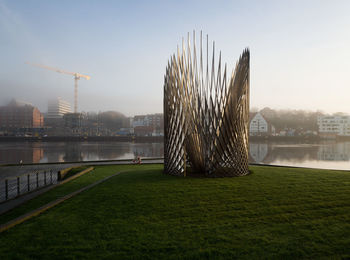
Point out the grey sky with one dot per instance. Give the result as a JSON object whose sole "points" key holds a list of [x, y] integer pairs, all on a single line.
{"points": [[300, 57]]}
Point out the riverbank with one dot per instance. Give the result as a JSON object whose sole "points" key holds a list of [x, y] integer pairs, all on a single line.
{"points": [[294, 139], [149, 139], [10, 171], [272, 213], [152, 139]]}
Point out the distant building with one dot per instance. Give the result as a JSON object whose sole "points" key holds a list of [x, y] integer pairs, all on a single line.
{"points": [[126, 131], [259, 126], [73, 120], [332, 126], [20, 115], [148, 125], [154, 120], [287, 132], [57, 108], [139, 121], [143, 130]]}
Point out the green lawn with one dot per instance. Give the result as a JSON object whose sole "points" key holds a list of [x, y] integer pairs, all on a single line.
{"points": [[272, 213]]}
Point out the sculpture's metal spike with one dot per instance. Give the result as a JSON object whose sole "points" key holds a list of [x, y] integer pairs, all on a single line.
{"points": [[212, 78], [201, 64], [207, 73]]}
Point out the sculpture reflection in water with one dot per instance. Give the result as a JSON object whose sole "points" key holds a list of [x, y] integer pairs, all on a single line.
{"points": [[206, 113]]}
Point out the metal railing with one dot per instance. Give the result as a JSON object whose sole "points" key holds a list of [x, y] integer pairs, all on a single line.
{"points": [[14, 187]]}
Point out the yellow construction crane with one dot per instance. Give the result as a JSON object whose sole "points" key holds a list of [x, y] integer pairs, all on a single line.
{"points": [[76, 75]]}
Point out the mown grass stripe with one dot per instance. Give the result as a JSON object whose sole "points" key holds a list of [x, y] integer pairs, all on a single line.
{"points": [[16, 202], [40, 210]]}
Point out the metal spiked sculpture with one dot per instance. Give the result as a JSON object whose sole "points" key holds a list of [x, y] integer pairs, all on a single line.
{"points": [[206, 114]]}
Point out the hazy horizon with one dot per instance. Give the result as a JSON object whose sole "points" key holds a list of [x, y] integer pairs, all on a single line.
{"points": [[299, 50]]}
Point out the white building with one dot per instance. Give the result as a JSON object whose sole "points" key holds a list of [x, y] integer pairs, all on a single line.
{"points": [[148, 125], [140, 121], [154, 120], [331, 126], [259, 126], [57, 108]]}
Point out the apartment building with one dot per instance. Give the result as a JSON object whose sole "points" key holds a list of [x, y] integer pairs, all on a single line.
{"points": [[19, 114], [148, 125], [332, 126], [57, 108]]}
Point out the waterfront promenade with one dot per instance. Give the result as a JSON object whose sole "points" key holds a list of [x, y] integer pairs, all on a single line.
{"points": [[11, 171]]}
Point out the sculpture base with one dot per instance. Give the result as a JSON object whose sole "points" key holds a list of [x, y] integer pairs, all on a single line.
{"points": [[221, 173]]}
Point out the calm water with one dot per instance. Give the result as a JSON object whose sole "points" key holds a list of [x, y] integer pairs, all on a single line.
{"points": [[325, 155], [328, 155], [42, 152]]}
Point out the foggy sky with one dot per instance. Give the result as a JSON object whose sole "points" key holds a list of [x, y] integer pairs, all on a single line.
{"points": [[300, 55]]}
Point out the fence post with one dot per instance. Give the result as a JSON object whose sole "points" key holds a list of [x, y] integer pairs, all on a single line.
{"points": [[28, 182], [51, 175], [18, 187], [44, 178], [37, 179], [58, 175], [6, 189]]}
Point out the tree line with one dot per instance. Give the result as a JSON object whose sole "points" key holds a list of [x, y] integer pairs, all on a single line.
{"points": [[295, 119]]}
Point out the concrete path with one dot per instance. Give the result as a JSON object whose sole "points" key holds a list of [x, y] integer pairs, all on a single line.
{"points": [[17, 170], [8, 205]]}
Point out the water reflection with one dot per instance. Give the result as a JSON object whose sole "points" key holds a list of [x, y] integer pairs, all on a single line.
{"points": [[270, 152], [334, 155], [337, 152], [148, 149], [20, 152], [258, 152], [40, 152]]}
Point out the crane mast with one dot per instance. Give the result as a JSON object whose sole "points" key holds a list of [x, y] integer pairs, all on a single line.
{"points": [[76, 78], [76, 75]]}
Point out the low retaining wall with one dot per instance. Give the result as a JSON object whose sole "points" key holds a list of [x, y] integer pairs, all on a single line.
{"points": [[76, 175]]}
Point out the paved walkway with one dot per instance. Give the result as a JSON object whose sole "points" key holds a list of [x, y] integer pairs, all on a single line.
{"points": [[8, 205], [37, 211], [17, 170]]}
